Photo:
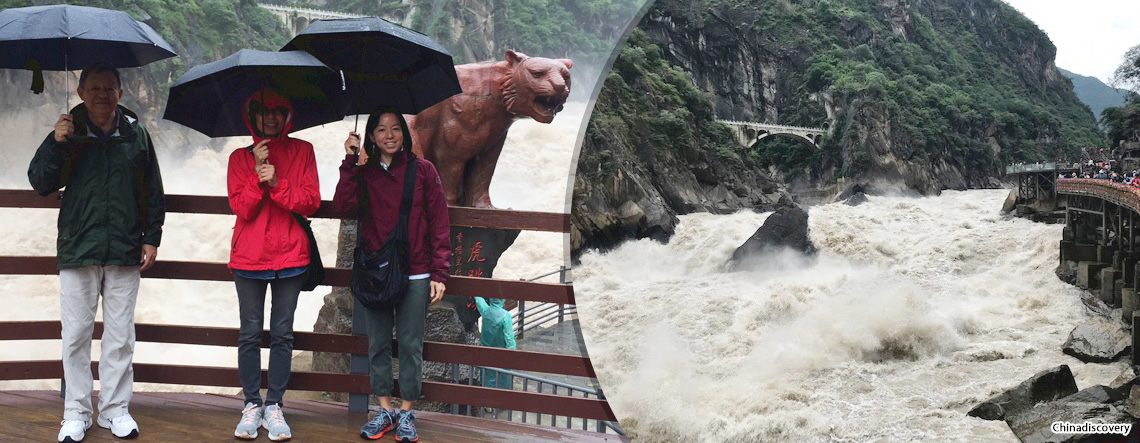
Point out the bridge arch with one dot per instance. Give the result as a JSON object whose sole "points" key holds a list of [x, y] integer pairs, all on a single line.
{"points": [[747, 134], [811, 142]]}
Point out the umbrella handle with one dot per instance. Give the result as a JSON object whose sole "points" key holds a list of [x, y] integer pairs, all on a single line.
{"points": [[66, 81]]}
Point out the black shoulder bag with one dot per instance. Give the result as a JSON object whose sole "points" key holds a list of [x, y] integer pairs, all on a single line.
{"points": [[315, 271], [380, 278]]}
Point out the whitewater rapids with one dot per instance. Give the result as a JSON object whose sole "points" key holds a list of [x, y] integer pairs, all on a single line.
{"points": [[916, 310]]}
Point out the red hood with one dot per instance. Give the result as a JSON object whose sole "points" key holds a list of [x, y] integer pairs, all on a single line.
{"points": [[271, 99]]}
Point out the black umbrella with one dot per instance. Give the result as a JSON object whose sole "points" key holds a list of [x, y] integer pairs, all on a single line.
{"points": [[59, 37], [209, 97], [384, 64]]}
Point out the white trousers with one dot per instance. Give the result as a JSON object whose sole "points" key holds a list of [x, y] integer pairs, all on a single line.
{"points": [[79, 291]]}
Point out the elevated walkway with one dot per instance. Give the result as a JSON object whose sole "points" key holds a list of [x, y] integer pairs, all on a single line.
{"points": [[188, 417]]}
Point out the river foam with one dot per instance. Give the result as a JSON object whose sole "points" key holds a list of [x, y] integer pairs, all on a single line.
{"points": [[916, 310]]}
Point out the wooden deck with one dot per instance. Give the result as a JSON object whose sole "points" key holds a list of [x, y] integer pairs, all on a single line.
{"points": [[189, 417]]}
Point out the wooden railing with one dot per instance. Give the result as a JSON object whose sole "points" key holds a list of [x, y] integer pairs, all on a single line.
{"points": [[1118, 193], [596, 409]]}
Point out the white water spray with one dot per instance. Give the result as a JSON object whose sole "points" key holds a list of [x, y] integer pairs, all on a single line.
{"points": [[916, 310]]}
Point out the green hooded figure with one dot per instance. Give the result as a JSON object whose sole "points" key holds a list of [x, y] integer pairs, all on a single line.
{"points": [[498, 332]]}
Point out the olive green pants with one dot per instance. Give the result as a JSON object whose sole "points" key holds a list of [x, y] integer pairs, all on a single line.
{"points": [[408, 317]]}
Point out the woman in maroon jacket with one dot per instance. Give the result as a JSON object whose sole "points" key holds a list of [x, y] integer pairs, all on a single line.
{"points": [[268, 182], [380, 169]]}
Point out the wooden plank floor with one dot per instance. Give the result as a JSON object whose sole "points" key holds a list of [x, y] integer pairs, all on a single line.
{"points": [[189, 417]]}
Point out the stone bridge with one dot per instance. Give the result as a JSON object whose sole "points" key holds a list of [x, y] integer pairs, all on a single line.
{"points": [[748, 133], [296, 19]]}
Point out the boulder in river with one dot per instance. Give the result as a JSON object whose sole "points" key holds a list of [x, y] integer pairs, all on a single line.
{"points": [[786, 229], [1044, 386], [1097, 341]]}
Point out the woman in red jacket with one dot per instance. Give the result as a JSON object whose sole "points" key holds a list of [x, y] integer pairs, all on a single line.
{"points": [[268, 182], [380, 169]]}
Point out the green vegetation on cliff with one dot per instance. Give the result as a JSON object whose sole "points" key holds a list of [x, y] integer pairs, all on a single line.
{"points": [[648, 104], [1123, 122], [927, 94]]}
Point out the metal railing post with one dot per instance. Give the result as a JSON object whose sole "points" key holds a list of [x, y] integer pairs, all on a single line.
{"points": [[601, 424], [522, 318], [455, 379], [358, 364], [562, 280]]}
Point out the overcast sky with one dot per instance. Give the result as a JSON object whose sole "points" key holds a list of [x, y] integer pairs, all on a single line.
{"points": [[1091, 35]]}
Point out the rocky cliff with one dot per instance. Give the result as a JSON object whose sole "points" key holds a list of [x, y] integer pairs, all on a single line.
{"points": [[917, 96], [653, 151]]}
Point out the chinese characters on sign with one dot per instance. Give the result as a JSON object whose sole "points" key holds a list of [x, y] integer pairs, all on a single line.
{"points": [[474, 253]]}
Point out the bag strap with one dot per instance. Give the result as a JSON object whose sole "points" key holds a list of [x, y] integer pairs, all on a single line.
{"points": [[409, 191], [405, 207]]}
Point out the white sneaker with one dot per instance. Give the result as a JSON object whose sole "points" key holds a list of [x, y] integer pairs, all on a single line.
{"points": [[73, 430], [250, 420], [273, 420], [123, 426]]}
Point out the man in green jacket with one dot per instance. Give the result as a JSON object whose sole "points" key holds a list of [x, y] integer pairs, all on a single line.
{"points": [[110, 226]]}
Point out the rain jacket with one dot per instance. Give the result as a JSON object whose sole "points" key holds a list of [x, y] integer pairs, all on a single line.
{"points": [[266, 236], [429, 226], [498, 332], [498, 326], [113, 202]]}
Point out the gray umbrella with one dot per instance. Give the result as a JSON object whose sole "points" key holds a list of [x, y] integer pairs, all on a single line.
{"points": [[60, 37]]}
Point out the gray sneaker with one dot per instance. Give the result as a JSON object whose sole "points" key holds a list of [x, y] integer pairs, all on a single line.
{"points": [[273, 420], [250, 420]]}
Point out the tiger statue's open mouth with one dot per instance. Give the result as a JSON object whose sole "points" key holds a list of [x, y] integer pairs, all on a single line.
{"points": [[536, 87]]}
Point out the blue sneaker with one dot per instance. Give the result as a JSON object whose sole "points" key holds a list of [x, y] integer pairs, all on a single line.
{"points": [[406, 427], [384, 421]]}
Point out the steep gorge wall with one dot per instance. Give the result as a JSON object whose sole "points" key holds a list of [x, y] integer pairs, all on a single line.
{"points": [[919, 96]]}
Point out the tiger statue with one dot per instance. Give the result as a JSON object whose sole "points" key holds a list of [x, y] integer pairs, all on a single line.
{"points": [[463, 135]]}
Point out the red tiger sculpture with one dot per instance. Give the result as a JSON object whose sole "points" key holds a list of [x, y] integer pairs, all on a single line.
{"points": [[463, 135]]}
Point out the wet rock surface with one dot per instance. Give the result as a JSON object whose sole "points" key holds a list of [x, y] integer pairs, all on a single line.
{"points": [[1044, 386], [785, 229], [1038, 408], [1097, 341]]}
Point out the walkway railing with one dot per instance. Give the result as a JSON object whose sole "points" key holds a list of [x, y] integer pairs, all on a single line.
{"points": [[540, 314], [1039, 167], [356, 384], [540, 385], [1118, 193]]}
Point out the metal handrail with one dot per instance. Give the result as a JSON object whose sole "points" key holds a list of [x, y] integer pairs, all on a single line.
{"points": [[520, 318], [545, 313], [602, 425]]}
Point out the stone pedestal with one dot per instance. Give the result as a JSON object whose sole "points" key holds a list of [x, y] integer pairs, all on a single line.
{"points": [[1107, 285], [1078, 251], [1088, 274], [1104, 254], [1135, 337], [1128, 303]]}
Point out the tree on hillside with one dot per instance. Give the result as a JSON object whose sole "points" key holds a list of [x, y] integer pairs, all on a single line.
{"points": [[1123, 122], [1128, 73]]}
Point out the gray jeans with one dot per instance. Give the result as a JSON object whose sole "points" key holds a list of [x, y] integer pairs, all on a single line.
{"points": [[251, 304], [408, 318], [79, 292]]}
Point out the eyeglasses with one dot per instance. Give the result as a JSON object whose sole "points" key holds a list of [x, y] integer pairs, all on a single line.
{"points": [[256, 108]]}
